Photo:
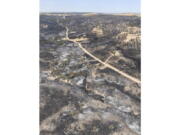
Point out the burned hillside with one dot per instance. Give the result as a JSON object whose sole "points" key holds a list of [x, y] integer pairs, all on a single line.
{"points": [[78, 94]]}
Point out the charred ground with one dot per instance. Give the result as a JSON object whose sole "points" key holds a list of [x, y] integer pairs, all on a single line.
{"points": [[78, 95]]}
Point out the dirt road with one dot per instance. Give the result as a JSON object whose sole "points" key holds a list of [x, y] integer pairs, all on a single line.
{"points": [[104, 63]]}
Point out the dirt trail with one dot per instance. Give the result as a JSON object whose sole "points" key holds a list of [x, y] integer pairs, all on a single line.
{"points": [[104, 63]]}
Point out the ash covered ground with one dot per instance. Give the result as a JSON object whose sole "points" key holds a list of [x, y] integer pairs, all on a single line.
{"points": [[79, 95]]}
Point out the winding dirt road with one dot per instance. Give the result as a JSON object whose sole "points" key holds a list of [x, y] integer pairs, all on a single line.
{"points": [[104, 63]]}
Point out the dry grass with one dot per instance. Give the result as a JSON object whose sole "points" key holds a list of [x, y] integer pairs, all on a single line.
{"points": [[89, 14], [134, 30], [131, 37], [126, 14], [98, 31]]}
